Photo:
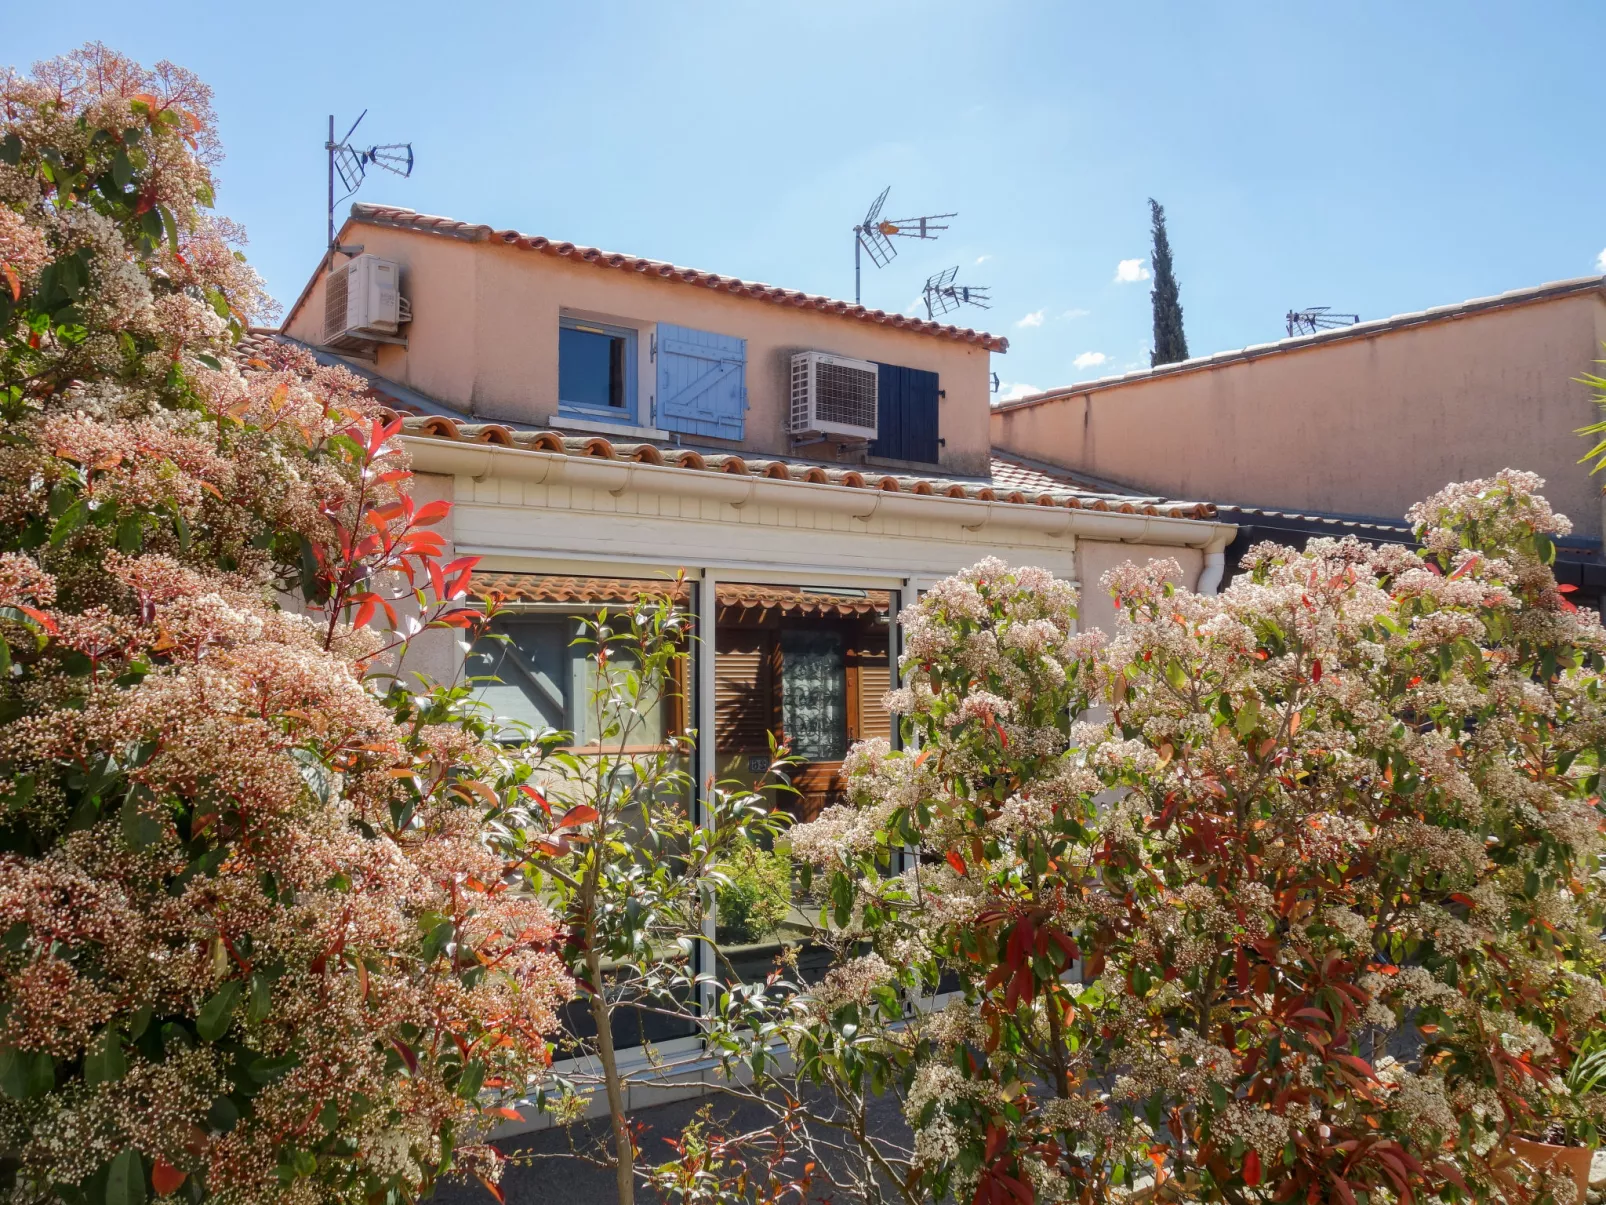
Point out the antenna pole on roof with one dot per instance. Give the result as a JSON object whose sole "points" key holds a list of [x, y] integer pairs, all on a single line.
{"points": [[1316, 318], [329, 148], [875, 235], [352, 164]]}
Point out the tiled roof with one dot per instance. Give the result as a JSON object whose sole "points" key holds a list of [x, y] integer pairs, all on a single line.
{"points": [[1014, 480], [1362, 330], [407, 219], [864, 477], [530, 588]]}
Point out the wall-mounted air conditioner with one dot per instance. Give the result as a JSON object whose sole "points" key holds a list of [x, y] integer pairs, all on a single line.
{"points": [[833, 395], [362, 303]]}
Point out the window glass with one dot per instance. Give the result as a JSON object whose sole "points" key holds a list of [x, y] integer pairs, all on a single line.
{"points": [[627, 755], [594, 367], [531, 669], [812, 665], [814, 693]]}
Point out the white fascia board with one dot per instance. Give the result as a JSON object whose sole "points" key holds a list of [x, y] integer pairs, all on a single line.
{"points": [[483, 461]]}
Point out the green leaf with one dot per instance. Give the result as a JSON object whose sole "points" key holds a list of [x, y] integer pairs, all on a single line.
{"points": [[71, 520], [213, 1020], [126, 1184], [11, 149], [468, 1086], [437, 938], [105, 1063], [170, 224], [224, 1114], [26, 1074], [261, 997], [267, 1070], [140, 829], [130, 535], [5, 656], [122, 169], [211, 362]]}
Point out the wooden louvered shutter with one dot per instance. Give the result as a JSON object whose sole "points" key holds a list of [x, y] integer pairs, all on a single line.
{"points": [[875, 679], [742, 690]]}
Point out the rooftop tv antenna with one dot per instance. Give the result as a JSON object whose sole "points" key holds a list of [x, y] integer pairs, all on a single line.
{"points": [[1317, 318], [351, 164], [874, 236], [943, 296]]}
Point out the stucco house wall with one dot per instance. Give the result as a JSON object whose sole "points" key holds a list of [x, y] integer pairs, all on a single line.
{"points": [[1362, 424], [484, 337]]}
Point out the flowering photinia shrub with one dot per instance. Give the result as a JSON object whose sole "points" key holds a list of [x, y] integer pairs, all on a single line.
{"points": [[1288, 894], [255, 942]]}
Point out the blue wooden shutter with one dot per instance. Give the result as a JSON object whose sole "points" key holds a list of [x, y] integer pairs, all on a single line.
{"points": [[702, 382], [906, 414]]}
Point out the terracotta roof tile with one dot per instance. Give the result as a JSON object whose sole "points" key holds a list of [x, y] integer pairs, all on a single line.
{"points": [[733, 597], [407, 219], [1046, 491]]}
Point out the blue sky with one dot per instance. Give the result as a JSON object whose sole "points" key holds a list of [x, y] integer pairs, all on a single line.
{"points": [[1374, 157]]}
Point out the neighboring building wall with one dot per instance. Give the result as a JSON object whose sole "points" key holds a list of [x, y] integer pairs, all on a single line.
{"points": [[1095, 558], [484, 338], [1362, 426]]}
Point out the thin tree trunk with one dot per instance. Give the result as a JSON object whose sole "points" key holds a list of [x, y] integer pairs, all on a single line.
{"points": [[624, 1151]]}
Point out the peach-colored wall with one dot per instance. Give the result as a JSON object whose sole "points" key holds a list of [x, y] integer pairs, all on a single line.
{"points": [[484, 337], [1364, 426], [1095, 558]]}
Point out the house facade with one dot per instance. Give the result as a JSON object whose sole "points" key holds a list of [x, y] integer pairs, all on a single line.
{"points": [[607, 426], [516, 328]]}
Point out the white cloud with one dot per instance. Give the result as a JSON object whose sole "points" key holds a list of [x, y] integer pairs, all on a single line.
{"points": [[1008, 391], [917, 306], [1600, 261], [1090, 359], [1072, 315], [1035, 318], [981, 259], [1130, 270]]}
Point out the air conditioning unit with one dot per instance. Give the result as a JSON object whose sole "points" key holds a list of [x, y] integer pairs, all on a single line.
{"points": [[362, 303], [833, 395]]}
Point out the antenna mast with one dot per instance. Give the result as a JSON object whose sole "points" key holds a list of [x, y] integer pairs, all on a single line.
{"points": [[874, 236], [351, 164], [943, 296], [1317, 318]]}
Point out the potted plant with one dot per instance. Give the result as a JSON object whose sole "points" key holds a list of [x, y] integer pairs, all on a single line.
{"points": [[1568, 1144]]}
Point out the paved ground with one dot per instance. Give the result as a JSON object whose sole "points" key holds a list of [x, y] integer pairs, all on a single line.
{"points": [[544, 1171]]}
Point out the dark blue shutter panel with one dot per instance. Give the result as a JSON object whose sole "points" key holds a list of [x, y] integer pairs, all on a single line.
{"points": [[702, 382], [906, 414]]}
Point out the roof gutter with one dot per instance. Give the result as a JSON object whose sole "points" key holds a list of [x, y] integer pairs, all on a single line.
{"points": [[480, 461]]}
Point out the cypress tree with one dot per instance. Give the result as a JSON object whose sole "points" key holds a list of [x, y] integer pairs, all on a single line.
{"points": [[1170, 344]]}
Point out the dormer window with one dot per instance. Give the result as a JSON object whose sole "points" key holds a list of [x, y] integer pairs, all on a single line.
{"points": [[597, 370]]}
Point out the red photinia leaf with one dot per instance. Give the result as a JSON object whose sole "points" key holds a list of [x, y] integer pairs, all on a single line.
{"points": [[11, 279], [165, 1178], [540, 799], [491, 1188], [504, 1111], [580, 813], [1252, 1168], [1316, 670], [431, 512], [406, 1053], [957, 862]]}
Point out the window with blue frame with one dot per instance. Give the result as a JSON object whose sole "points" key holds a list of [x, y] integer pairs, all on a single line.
{"points": [[597, 370]]}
